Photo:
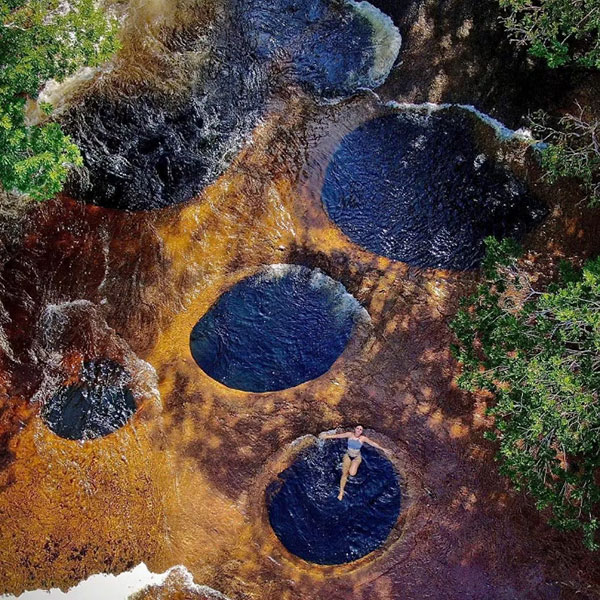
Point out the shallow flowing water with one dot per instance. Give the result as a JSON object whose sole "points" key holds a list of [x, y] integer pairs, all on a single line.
{"points": [[163, 374]]}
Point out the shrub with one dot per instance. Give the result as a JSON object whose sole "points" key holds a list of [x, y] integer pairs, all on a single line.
{"points": [[539, 354], [42, 40], [560, 31], [571, 149]]}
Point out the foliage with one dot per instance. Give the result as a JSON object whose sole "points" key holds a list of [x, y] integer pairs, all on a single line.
{"points": [[560, 31], [571, 149], [42, 40], [539, 354]]}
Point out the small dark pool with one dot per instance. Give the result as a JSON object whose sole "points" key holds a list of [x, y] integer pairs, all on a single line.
{"points": [[275, 330], [419, 188], [335, 47], [313, 524], [97, 405]]}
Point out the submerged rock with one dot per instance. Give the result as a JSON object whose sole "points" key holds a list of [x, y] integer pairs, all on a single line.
{"points": [[420, 186], [336, 48]]}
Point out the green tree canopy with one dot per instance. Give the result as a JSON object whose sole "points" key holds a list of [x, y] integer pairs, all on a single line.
{"points": [[571, 148], [560, 31], [539, 354], [42, 40]]}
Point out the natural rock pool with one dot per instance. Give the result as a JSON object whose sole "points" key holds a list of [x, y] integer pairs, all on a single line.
{"points": [[313, 524], [98, 404], [419, 186], [277, 329], [251, 254], [147, 147]]}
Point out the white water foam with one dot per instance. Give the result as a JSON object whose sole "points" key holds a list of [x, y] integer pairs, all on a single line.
{"points": [[386, 40], [104, 586], [344, 301], [503, 132]]}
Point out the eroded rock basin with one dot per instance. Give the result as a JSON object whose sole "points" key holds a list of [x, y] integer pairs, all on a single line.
{"points": [[277, 329], [98, 404], [419, 186], [312, 523]]}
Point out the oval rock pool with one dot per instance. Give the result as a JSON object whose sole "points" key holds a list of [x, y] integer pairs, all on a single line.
{"points": [[312, 523], [421, 187], [276, 329]]}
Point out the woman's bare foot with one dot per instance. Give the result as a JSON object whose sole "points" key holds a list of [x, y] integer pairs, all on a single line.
{"points": [[340, 495]]}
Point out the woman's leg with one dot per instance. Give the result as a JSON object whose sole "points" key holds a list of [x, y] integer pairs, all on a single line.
{"points": [[346, 465], [354, 466]]}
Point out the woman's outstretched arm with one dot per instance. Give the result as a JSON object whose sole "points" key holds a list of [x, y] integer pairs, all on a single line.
{"points": [[329, 436], [375, 444]]}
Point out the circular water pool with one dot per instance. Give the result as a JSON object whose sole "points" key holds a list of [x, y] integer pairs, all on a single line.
{"points": [[313, 524], [97, 405], [276, 329], [419, 188], [336, 48]]}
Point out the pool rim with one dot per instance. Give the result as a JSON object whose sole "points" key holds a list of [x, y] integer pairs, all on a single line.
{"points": [[258, 510]]}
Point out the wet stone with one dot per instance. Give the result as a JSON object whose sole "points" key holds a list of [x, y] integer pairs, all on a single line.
{"points": [[313, 524], [419, 188], [145, 150], [97, 405], [275, 330], [335, 47]]}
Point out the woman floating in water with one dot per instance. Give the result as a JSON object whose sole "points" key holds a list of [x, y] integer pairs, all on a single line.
{"points": [[352, 458]]}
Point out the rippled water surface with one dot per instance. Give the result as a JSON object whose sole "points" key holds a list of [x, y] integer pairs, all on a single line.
{"points": [[146, 148], [420, 188], [97, 405], [275, 330], [335, 47], [313, 524]]}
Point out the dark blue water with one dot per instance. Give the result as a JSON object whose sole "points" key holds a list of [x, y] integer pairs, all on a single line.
{"points": [[313, 524], [330, 43], [96, 406], [420, 189], [275, 330], [145, 149]]}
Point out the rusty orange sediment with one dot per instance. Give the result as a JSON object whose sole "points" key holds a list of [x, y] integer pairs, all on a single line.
{"points": [[183, 482]]}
